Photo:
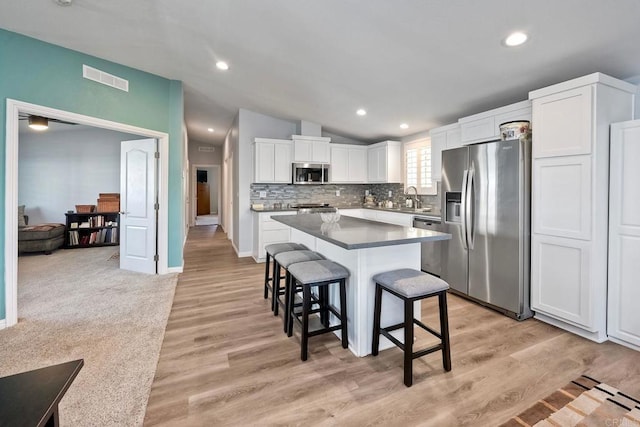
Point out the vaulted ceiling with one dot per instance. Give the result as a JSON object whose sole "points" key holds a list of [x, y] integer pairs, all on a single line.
{"points": [[420, 62]]}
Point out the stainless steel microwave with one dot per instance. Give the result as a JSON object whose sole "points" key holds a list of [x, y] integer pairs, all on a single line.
{"points": [[310, 173]]}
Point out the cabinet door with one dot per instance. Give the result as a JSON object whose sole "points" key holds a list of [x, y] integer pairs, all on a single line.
{"points": [[561, 193], [438, 143], [264, 165], [358, 165], [478, 130], [562, 123], [302, 151], [624, 234], [373, 163], [339, 164], [320, 152], [561, 279], [394, 218], [282, 162]]}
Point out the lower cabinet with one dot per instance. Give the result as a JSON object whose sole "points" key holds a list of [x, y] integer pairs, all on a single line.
{"points": [[268, 231], [560, 279], [623, 325]]}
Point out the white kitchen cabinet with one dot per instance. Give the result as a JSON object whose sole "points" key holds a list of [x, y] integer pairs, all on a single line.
{"points": [[560, 284], [272, 160], [623, 316], [311, 149], [562, 197], [268, 231], [397, 218], [348, 163], [384, 162], [442, 138], [485, 126], [569, 208], [563, 123]]}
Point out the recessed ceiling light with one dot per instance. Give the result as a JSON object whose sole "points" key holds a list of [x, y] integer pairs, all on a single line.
{"points": [[404, 126], [361, 112], [210, 129], [38, 123], [222, 65], [63, 2], [515, 39]]}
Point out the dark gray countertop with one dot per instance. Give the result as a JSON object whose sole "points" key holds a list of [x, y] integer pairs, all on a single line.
{"points": [[356, 233]]}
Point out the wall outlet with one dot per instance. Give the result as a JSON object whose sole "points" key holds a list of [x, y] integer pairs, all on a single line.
{"points": [[390, 193], [337, 193], [366, 192], [263, 194]]}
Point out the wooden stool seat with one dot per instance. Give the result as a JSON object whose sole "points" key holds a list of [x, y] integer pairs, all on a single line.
{"points": [[411, 285], [321, 274]]}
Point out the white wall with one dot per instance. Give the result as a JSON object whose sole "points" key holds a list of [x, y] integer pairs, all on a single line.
{"points": [[250, 126], [60, 169]]}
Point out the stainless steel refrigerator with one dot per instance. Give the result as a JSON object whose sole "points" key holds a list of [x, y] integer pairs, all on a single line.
{"points": [[486, 192]]}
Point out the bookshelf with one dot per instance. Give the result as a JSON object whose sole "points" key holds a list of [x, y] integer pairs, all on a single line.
{"points": [[87, 230]]}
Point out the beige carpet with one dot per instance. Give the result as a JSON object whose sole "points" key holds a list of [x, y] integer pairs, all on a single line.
{"points": [[77, 304]]}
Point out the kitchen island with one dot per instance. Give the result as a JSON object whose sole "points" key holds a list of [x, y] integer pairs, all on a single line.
{"points": [[365, 248]]}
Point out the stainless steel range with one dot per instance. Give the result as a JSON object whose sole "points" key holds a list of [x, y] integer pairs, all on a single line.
{"points": [[307, 208]]}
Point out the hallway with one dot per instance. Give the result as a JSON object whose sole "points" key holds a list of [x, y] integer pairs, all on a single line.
{"points": [[226, 361]]}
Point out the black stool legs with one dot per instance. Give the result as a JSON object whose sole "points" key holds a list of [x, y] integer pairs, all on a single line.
{"points": [[409, 321], [324, 309]]}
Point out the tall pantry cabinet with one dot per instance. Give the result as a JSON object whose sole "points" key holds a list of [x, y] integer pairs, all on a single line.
{"points": [[623, 314], [570, 198]]}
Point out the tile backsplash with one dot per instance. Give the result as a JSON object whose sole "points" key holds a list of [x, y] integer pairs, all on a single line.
{"points": [[351, 195]]}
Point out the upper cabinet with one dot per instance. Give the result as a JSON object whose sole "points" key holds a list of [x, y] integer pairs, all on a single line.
{"points": [[311, 149], [272, 160], [384, 162], [485, 126], [348, 163], [442, 138]]}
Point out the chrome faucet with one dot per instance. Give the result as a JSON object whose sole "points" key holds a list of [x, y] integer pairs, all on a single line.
{"points": [[415, 196]]}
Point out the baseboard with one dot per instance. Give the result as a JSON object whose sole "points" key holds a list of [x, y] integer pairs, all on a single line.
{"points": [[598, 336], [244, 254], [177, 269], [3, 323], [624, 343]]}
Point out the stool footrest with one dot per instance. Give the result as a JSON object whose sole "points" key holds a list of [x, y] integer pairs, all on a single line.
{"points": [[428, 329], [426, 351], [392, 338]]}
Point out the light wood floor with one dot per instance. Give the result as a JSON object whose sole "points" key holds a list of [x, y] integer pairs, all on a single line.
{"points": [[226, 361]]}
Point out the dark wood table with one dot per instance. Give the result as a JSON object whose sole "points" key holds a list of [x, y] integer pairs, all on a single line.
{"points": [[31, 398]]}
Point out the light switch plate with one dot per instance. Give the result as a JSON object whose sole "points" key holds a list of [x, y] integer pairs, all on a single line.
{"points": [[337, 193], [390, 193]]}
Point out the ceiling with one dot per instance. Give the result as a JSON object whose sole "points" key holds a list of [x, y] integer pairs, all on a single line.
{"points": [[420, 62]]}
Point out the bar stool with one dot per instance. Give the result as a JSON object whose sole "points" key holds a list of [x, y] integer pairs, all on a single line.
{"points": [[272, 250], [309, 274], [411, 285], [284, 260]]}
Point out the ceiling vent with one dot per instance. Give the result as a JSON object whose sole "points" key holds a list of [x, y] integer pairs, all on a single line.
{"points": [[105, 78], [207, 148]]}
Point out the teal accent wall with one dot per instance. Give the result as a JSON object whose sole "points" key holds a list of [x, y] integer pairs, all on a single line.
{"points": [[44, 74]]}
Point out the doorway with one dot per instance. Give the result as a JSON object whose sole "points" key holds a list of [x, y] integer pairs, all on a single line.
{"points": [[14, 108], [205, 190]]}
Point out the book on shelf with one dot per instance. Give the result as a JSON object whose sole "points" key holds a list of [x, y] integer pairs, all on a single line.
{"points": [[84, 225]]}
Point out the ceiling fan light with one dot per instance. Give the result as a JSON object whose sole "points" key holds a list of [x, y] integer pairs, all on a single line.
{"points": [[38, 123]]}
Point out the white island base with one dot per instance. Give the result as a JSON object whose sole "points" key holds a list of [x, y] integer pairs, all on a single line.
{"points": [[364, 264]]}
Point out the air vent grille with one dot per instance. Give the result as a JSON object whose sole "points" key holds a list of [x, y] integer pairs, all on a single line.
{"points": [[207, 148], [105, 78]]}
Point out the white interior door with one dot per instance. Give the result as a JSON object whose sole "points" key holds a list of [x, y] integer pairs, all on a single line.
{"points": [[137, 200]]}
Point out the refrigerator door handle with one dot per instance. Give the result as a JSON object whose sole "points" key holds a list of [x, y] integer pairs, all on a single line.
{"points": [[463, 208], [469, 214]]}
